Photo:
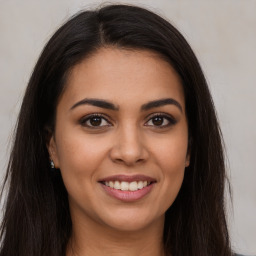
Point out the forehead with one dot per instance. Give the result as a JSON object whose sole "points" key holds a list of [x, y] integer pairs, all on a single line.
{"points": [[123, 76]]}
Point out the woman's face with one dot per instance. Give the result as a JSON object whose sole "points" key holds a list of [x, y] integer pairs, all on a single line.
{"points": [[121, 139]]}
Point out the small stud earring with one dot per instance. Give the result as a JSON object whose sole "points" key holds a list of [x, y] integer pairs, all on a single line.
{"points": [[52, 164]]}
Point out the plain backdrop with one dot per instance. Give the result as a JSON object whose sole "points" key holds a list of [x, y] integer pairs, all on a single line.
{"points": [[223, 36]]}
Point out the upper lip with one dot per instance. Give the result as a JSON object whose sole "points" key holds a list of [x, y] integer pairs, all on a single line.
{"points": [[128, 178]]}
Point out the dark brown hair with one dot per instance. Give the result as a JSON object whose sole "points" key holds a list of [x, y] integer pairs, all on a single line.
{"points": [[36, 219]]}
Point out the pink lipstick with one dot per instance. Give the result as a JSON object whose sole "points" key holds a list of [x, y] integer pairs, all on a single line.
{"points": [[127, 188]]}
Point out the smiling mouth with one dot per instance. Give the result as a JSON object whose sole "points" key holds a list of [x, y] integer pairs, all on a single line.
{"points": [[127, 186]]}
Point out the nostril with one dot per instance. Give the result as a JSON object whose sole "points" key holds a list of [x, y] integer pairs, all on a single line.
{"points": [[128, 151], [140, 160]]}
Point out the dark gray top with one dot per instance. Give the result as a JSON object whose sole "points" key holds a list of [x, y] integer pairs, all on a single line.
{"points": [[241, 255]]}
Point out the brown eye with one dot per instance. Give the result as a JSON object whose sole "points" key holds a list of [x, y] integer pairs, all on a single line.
{"points": [[161, 121], [94, 121], [158, 120]]}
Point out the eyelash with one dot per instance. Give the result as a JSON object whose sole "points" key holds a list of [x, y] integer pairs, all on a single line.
{"points": [[171, 120], [85, 119]]}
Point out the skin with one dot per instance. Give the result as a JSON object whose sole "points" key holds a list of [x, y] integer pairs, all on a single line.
{"points": [[126, 141]]}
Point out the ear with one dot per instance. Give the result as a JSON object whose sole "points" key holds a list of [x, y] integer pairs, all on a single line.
{"points": [[52, 148]]}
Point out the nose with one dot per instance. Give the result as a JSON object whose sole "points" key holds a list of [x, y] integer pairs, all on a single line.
{"points": [[129, 147]]}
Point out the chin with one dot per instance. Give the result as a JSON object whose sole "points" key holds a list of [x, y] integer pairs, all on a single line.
{"points": [[132, 221]]}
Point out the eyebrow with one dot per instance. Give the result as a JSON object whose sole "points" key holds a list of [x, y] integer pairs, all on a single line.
{"points": [[96, 102], [108, 105], [161, 102]]}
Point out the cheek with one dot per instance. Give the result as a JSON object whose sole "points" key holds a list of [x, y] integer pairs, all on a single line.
{"points": [[171, 153], [80, 157], [171, 157], [79, 160], [173, 164], [78, 149]]}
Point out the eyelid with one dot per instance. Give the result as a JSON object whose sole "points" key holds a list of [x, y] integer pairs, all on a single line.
{"points": [[169, 117], [85, 118]]}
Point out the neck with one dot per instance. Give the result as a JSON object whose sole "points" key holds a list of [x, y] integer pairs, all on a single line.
{"points": [[92, 239]]}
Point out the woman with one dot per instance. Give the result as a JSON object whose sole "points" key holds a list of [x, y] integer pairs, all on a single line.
{"points": [[117, 149]]}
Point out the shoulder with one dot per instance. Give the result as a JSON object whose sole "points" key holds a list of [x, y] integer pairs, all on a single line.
{"points": [[239, 254]]}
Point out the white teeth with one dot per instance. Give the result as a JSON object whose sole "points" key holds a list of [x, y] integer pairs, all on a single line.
{"points": [[127, 186], [133, 186], [116, 185], [111, 184], [124, 185], [140, 184]]}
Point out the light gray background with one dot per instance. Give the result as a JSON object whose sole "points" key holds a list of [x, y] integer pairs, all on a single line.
{"points": [[223, 35]]}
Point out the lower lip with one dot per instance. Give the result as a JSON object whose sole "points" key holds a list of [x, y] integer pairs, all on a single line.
{"points": [[128, 196]]}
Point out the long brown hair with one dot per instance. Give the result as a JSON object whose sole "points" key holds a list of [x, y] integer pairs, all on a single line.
{"points": [[36, 218]]}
